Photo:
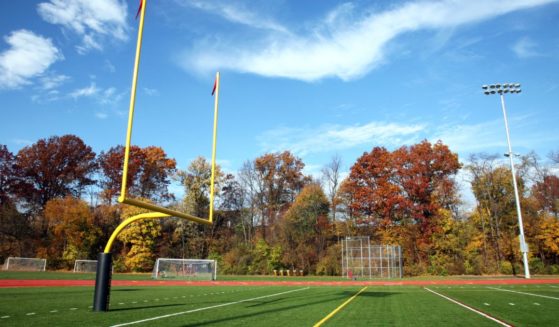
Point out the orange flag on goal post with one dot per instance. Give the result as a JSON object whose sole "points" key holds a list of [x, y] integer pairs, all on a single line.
{"points": [[139, 8]]}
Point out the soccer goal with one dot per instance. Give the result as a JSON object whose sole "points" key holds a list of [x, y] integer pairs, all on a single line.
{"points": [[361, 259], [85, 266], [25, 264], [187, 269]]}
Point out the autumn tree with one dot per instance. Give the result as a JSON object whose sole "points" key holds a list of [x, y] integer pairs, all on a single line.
{"points": [[281, 177], [546, 193], [305, 229], [71, 228], [54, 168], [196, 180], [149, 173], [9, 174], [496, 208], [398, 195], [140, 239]]}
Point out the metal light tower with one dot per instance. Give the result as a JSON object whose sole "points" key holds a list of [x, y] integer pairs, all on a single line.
{"points": [[501, 89]]}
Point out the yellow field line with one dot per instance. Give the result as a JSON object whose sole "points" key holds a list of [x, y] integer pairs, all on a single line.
{"points": [[338, 308]]}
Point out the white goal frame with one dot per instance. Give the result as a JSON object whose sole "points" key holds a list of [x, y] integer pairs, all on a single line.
{"points": [[81, 262], [185, 269], [11, 263]]}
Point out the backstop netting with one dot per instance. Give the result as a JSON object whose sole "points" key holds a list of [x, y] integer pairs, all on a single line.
{"points": [[361, 259], [85, 266], [187, 269], [25, 264]]}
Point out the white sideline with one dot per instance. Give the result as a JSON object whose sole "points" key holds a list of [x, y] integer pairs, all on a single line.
{"points": [[502, 323], [206, 308], [532, 294]]}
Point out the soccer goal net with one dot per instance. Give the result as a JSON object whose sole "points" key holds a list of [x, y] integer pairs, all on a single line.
{"points": [[188, 269], [25, 264], [361, 259], [85, 266]]}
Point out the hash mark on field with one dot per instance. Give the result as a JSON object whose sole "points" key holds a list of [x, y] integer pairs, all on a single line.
{"points": [[4, 317], [53, 311], [120, 303], [511, 303], [536, 303], [526, 293], [487, 304], [72, 309], [30, 314]]}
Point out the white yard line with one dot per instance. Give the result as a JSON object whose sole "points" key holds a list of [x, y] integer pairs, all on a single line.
{"points": [[525, 293], [502, 323], [207, 308]]}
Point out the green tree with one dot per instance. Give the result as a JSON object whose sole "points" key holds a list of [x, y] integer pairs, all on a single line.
{"points": [[305, 229]]}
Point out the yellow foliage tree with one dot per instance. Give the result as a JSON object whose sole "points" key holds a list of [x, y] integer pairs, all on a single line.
{"points": [[139, 240], [70, 222]]}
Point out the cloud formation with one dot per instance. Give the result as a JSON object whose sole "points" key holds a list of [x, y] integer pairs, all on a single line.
{"points": [[346, 43], [237, 14], [92, 20], [28, 56], [525, 48], [328, 138]]}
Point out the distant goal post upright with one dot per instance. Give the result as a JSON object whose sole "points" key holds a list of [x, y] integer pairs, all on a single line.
{"points": [[185, 269], [104, 267], [24, 264], [361, 259]]}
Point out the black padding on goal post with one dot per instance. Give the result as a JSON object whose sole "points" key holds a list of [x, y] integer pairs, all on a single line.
{"points": [[103, 278]]}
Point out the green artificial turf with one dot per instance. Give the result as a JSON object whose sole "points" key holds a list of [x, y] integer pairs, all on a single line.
{"points": [[522, 307], [277, 306]]}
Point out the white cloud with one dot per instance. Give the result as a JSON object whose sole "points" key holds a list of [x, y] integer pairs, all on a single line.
{"points": [[88, 91], [101, 115], [150, 92], [29, 56], [525, 48], [103, 96], [92, 20], [341, 47], [237, 14], [326, 138], [53, 81]]}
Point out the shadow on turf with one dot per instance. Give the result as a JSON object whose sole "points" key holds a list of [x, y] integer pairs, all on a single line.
{"points": [[148, 307], [342, 296]]}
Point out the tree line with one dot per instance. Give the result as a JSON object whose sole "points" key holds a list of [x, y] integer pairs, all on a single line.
{"points": [[58, 201]]}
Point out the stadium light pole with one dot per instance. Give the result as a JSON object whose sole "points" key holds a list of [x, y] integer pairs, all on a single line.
{"points": [[502, 89]]}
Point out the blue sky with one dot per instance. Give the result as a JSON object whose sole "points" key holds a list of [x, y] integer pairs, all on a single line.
{"points": [[318, 78]]}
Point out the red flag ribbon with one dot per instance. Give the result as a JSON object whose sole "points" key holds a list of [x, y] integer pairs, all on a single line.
{"points": [[139, 8], [215, 86]]}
